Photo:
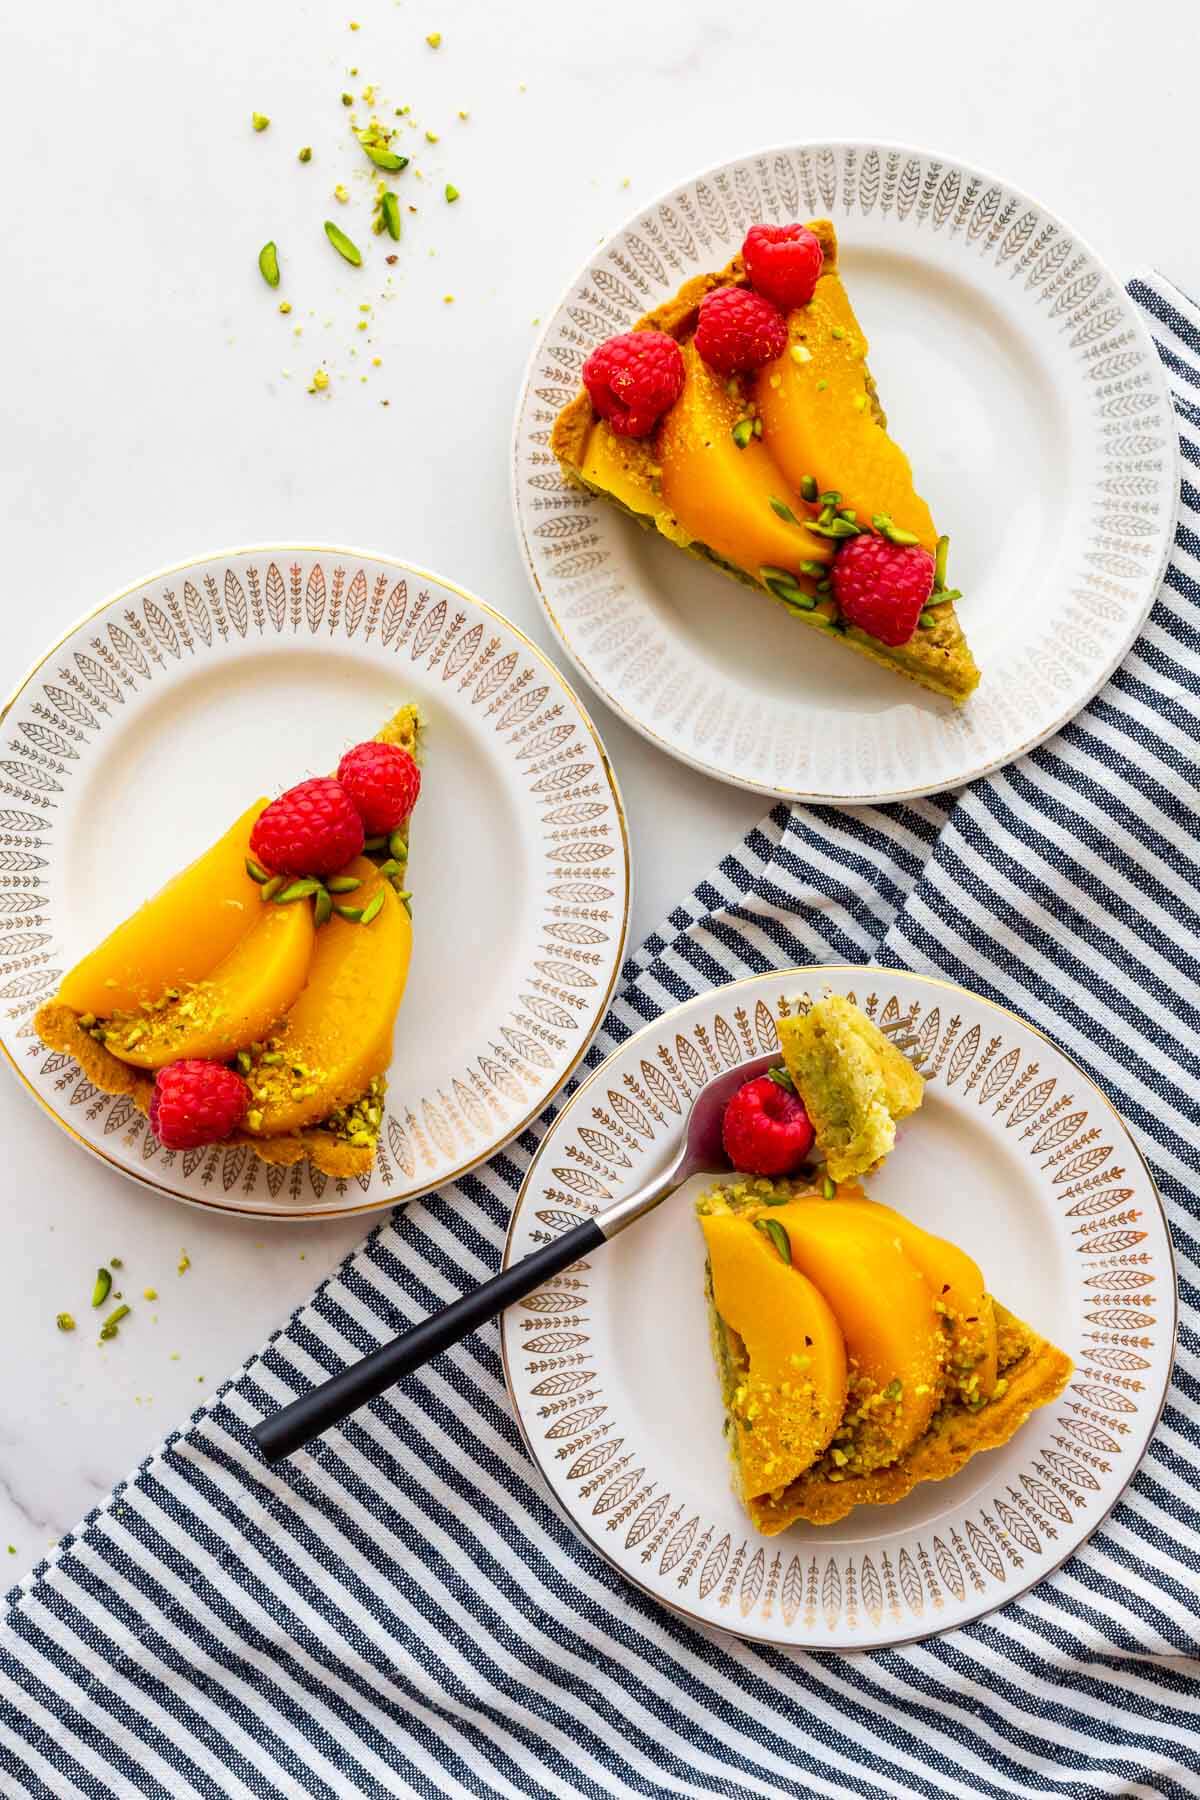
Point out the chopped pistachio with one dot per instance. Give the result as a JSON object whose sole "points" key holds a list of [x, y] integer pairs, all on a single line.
{"points": [[434, 39], [149, 1293], [347, 99], [800, 353], [451, 192], [184, 1263], [102, 1287], [306, 153], [344, 246], [341, 194], [65, 1322], [111, 1324], [431, 137], [260, 121]]}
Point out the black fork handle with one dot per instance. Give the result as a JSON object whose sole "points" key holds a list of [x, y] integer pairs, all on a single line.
{"points": [[310, 1414]]}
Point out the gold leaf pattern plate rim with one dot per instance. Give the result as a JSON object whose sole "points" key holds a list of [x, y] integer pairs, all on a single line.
{"points": [[368, 603], [695, 1552], [591, 590]]}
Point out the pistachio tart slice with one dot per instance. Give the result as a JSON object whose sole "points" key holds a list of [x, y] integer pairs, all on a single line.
{"points": [[766, 474], [295, 983], [858, 1355]]}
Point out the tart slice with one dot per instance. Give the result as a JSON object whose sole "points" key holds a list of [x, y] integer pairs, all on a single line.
{"points": [[253, 999], [743, 424], [858, 1355], [854, 1084]]}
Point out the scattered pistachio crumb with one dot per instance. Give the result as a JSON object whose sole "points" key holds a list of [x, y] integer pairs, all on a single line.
{"points": [[340, 194], [12, 1549], [801, 353], [347, 99], [837, 332], [354, 25], [451, 192], [431, 137], [463, 113], [376, 362], [306, 153], [174, 1356], [65, 1322], [184, 1263], [199, 1378], [320, 382], [149, 1293], [434, 40], [285, 306], [260, 121], [116, 1262], [821, 386], [448, 299]]}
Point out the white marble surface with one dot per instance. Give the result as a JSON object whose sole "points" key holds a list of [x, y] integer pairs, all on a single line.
{"points": [[145, 418]]}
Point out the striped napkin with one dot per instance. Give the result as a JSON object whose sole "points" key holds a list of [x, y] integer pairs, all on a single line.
{"points": [[406, 1614]]}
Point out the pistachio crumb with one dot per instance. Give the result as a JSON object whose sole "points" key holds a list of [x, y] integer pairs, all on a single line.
{"points": [[448, 299], [184, 1263], [149, 1293], [306, 153], [340, 194], [451, 192], [285, 306], [434, 40], [320, 382], [65, 1321], [463, 114], [801, 353], [260, 121], [431, 137]]}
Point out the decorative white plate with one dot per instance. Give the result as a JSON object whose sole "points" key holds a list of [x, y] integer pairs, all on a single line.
{"points": [[144, 731], [1017, 374], [1015, 1155]]}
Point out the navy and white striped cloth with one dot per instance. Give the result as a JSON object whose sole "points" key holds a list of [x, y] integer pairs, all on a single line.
{"points": [[406, 1614]]}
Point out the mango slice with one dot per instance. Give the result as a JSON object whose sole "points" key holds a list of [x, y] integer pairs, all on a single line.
{"points": [[722, 495], [884, 1306], [240, 1002], [788, 1401], [959, 1296], [339, 1032], [819, 420], [175, 938]]}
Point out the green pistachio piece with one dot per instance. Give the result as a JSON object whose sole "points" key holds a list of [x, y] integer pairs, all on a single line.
{"points": [[783, 509], [389, 210], [255, 871], [296, 890], [373, 907], [269, 889], [829, 1188], [65, 1322], [102, 1287], [384, 158], [343, 884], [451, 192], [268, 264], [353, 913], [322, 907], [808, 488], [260, 121], [941, 557], [835, 528], [772, 1229], [343, 245], [742, 432]]}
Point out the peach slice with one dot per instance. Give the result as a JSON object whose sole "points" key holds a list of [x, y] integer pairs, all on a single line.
{"points": [[791, 1400], [339, 1032], [818, 418], [178, 936], [885, 1309], [722, 495], [956, 1283], [241, 1001]]}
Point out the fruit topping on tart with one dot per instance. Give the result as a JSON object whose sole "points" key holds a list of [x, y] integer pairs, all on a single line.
{"points": [[858, 1355], [740, 420], [253, 999]]}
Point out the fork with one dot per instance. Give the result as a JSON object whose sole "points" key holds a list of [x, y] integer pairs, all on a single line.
{"points": [[700, 1152]]}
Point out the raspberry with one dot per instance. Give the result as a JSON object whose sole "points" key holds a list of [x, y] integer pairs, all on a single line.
{"points": [[882, 587], [196, 1102], [632, 380], [383, 781], [313, 829], [783, 263], [766, 1130], [738, 330]]}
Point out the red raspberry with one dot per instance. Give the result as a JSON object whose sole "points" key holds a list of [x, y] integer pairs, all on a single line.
{"points": [[783, 262], [196, 1102], [633, 379], [739, 331], [766, 1130], [882, 587], [313, 829], [383, 781]]}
